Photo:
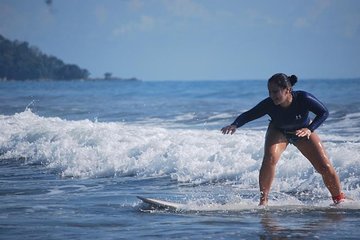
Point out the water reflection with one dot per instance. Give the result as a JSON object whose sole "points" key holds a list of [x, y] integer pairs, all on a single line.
{"points": [[303, 224]]}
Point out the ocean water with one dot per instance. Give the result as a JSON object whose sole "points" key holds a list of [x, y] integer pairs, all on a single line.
{"points": [[75, 154]]}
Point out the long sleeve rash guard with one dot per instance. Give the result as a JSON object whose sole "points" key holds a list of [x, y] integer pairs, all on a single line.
{"points": [[292, 118]]}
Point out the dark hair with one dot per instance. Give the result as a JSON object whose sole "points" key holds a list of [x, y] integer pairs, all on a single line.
{"points": [[283, 81]]}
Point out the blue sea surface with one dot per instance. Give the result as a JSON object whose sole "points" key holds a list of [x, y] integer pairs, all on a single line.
{"points": [[75, 154]]}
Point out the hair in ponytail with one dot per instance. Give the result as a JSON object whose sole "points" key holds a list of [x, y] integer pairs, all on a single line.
{"points": [[293, 80], [283, 81]]}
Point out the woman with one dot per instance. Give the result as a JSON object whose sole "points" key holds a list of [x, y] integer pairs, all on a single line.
{"points": [[290, 123]]}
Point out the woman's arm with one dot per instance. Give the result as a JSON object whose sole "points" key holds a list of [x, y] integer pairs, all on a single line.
{"points": [[256, 112], [318, 108]]}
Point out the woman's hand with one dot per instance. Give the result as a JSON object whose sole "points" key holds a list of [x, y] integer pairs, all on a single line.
{"points": [[303, 132], [229, 129]]}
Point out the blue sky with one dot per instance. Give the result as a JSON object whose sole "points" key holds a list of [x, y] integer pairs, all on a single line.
{"points": [[193, 39]]}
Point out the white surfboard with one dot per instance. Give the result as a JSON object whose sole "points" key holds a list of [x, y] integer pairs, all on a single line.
{"points": [[241, 206], [161, 203]]}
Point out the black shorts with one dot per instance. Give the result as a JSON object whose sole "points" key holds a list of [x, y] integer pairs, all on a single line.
{"points": [[291, 136]]}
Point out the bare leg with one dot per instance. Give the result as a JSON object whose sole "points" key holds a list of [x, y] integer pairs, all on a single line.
{"points": [[314, 151], [275, 144]]}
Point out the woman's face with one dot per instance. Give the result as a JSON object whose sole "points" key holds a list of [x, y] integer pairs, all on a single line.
{"points": [[277, 94]]}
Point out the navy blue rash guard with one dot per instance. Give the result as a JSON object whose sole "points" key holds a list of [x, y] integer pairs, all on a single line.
{"points": [[292, 118]]}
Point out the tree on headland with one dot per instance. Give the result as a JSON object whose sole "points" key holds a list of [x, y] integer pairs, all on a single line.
{"points": [[107, 75], [19, 61]]}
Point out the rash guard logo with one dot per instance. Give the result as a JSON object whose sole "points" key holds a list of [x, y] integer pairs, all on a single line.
{"points": [[298, 117]]}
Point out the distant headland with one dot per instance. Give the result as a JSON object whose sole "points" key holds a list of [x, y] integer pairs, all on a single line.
{"points": [[109, 76], [20, 61]]}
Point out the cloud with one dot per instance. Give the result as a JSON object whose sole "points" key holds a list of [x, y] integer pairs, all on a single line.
{"points": [[136, 4], [16, 21], [254, 17], [352, 26], [143, 24], [186, 9], [331, 17], [101, 14], [313, 14]]}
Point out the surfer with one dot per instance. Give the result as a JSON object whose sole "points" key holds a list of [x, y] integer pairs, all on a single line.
{"points": [[290, 124]]}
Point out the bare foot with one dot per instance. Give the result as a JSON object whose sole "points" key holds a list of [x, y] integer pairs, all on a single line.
{"points": [[263, 199], [263, 202]]}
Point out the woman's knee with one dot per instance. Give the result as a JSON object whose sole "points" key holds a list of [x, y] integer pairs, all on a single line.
{"points": [[270, 159]]}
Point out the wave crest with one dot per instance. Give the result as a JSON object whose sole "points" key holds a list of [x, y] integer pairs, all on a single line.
{"points": [[88, 149]]}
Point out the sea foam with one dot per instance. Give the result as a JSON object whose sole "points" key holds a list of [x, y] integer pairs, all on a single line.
{"points": [[90, 149]]}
